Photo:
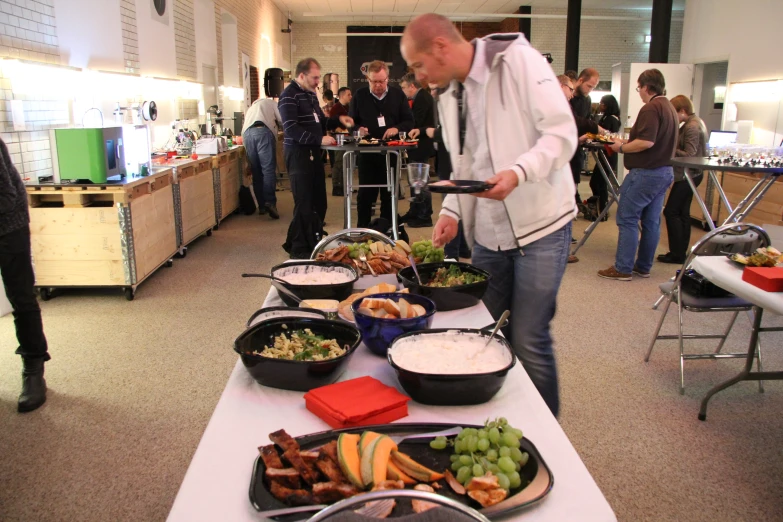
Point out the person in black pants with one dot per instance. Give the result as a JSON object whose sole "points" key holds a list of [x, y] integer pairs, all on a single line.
{"points": [[691, 142], [304, 126], [18, 279], [382, 113], [611, 122]]}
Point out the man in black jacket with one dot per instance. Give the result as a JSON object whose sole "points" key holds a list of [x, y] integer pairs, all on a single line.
{"points": [[420, 213], [18, 278], [382, 113], [581, 106], [304, 129]]}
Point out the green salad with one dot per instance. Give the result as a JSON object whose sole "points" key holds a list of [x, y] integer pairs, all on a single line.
{"points": [[453, 276]]}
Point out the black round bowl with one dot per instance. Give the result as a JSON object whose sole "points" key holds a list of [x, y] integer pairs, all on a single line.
{"points": [[339, 291], [451, 389], [446, 298], [271, 312], [295, 375]]}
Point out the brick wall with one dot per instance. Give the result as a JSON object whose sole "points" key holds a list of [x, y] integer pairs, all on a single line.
{"points": [[185, 39], [130, 36], [255, 19], [330, 51], [602, 43], [27, 30]]}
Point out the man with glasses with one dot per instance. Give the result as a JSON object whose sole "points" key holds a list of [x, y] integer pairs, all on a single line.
{"points": [[583, 126], [581, 106], [653, 141], [304, 129], [380, 112]]}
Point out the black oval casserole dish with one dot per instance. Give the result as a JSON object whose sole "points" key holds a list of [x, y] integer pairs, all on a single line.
{"points": [[451, 389], [339, 291], [445, 298], [295, 375]]}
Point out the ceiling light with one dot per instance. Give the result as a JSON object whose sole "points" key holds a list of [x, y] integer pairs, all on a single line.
{"points": [[647, 38]]}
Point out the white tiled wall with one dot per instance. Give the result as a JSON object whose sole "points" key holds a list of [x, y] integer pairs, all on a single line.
{"points": [[330, 51], [130, 35], [27, 30], [185, 39]]}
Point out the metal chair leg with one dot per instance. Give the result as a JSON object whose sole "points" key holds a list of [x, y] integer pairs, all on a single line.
{"points": [[726, 332], [758, 352], [682, 347], [660, 324]]}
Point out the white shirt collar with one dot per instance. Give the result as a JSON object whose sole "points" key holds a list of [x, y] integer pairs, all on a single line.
{"points": [[479, 72], [382, 96]]}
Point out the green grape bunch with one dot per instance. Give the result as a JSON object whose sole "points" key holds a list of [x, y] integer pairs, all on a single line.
{"points": [[495, 448], [424, 252]]}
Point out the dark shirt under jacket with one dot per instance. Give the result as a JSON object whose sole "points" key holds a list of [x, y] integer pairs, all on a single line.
{"points": [[581, 106], [299, 109], [424, 118], [366, 109]]}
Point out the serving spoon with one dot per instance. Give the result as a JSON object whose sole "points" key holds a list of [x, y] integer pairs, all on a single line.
{"points": [[415, 270], [501, 321], [280, 288]]}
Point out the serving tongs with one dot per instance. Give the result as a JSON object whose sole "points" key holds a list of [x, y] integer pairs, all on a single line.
{"points": [[280, 286]]}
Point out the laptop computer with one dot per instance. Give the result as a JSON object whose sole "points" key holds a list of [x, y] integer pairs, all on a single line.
{"points": [[721, 138]]}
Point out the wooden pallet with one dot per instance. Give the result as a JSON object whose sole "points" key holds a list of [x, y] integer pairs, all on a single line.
{"points": [[96, 196]]}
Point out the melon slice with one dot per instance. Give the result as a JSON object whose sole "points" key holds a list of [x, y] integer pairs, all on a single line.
{"points": [[374, 459], [365, 440], [413, 468], [348, 458], [393, 472]]}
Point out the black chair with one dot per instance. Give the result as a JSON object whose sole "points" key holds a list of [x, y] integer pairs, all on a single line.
{"points": [[741, 238]]}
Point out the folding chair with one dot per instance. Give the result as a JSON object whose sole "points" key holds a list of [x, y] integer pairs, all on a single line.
{"points": [[742, 238]]}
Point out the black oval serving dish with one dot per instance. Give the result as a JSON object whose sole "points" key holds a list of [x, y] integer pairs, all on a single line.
{"points": [[339, 291], [295, 375], [451, 389], [445, 298]]}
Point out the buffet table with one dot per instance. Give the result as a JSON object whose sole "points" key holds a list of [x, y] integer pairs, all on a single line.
{"points": [[752, 195], [612, 186], [724, 274], [216, 484]]}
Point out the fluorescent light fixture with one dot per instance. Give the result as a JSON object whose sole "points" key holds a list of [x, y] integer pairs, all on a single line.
{"points": [[647, 38], [750, 92], [472, 16]]}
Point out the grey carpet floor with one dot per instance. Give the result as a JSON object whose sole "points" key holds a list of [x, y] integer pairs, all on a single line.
{"points": [[132, 386]]}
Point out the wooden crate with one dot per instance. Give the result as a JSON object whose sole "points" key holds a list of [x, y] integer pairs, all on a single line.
{"points": [[230, 181], [77, 237], [197, 202]]}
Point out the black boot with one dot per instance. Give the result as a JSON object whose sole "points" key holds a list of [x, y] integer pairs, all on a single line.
{"points": [[33, 385]]}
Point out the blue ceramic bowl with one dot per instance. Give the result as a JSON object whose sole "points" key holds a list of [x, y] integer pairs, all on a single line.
{"points": [[378, 333]]}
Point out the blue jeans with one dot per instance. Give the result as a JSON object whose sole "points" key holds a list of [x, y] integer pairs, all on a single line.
{"points": [[261, 146], [526, 282], [641, 198]]}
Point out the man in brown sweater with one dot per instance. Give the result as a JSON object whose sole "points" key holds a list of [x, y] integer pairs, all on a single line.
{"points": [[647, 155], [18, 278]]}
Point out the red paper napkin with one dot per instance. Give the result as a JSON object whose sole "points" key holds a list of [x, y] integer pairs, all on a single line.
{"points": [[769, 279], [357, 402]]}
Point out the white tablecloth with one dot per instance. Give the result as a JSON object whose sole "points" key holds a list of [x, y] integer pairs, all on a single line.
{"points": [[217, 482], [728, 276]]}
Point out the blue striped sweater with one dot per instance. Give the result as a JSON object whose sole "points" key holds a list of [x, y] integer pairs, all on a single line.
{"points": [[299, 109]]}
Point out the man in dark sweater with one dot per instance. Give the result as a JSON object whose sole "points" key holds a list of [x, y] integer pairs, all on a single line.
{"points": [[581, 106], [382, 113], [18, 278], [423, 106], [304, 129], [340, 108]]}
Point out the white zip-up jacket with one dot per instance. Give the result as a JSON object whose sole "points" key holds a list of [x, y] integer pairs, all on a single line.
{"points": [[530, 130]]}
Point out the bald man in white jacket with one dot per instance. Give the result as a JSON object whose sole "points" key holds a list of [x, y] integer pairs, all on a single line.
{"points": [[505, 121]]}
